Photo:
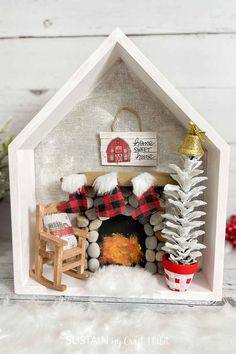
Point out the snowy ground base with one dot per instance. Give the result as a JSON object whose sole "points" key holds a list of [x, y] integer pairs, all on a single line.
{"points": [[74, 328], [121, 283]]}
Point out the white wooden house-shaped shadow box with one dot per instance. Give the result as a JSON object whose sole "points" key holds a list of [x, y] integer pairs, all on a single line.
{"points": [[63, 139]]}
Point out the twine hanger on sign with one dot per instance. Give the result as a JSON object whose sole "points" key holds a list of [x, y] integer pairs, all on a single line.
{"points": [[128, 110]]}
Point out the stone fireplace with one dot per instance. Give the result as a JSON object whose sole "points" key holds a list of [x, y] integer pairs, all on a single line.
{"points": [[122, 240]]}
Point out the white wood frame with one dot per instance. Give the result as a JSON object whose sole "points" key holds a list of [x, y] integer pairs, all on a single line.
{"points": [[208, 283]]}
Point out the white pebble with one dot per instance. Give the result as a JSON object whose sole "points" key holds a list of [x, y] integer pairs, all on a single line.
{"points": [[133, 201], [95, 224], [151, 267], [156, 218], [160, 245], [103, 218], [159, 236], [91, 214], [150, 256], [148, 229], [94, 250], [82, 221], [93, 236], [151, 242], [158, 227], [159, 256], [93, 264]]}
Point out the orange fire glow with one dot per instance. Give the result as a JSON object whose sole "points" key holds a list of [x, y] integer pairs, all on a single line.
{"points": [[118, 249]]}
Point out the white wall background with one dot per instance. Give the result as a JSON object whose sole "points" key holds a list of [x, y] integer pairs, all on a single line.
{"points": [[42, 42]]}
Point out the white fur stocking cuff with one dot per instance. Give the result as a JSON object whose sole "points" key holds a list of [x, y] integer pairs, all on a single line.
{"points": [[105, 184], [73, 183], [142, 183]]}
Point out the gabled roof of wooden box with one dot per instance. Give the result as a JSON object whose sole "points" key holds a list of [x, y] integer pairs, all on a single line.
{"points": [[116, 46]]}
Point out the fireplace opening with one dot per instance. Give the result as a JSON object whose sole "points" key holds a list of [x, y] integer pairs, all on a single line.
{"points": [[122, 241]]}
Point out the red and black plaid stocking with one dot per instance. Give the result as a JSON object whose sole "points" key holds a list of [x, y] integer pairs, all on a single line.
{"points": [[113, 204], [146, 195], [77, 202], [148, 203]]}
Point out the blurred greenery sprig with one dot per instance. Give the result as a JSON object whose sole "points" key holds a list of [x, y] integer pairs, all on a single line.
{"points": [[4, 167]]}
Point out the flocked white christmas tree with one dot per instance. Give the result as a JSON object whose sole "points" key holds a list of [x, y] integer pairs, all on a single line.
{"points": [[183, 201]]}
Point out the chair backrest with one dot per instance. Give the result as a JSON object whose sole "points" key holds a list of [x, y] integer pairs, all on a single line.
{"points": [[57, 223], [41, 211]]}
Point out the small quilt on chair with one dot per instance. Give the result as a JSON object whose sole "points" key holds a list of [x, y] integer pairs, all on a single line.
{"points": [[59, 225]]}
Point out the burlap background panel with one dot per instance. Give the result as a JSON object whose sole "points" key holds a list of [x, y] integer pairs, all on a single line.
{"points": [[73, 146]]}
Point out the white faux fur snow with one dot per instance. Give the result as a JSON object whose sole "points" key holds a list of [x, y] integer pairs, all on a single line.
{"points": [[142, 183], [85, 328], [72, 183], [105, 184], [115, 280]]}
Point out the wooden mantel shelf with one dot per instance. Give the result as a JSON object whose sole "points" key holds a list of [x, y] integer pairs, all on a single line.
{"points": [[125, 178]]}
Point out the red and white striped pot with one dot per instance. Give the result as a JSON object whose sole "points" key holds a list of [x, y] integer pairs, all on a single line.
{"points": [[178, 276]]}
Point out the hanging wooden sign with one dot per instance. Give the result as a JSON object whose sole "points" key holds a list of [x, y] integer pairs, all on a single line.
{"points": [[129, 148]]}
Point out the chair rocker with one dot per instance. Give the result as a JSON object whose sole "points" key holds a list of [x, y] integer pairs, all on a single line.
{"points": [[68, 261]]}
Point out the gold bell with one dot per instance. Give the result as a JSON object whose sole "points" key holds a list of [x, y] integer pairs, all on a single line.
{"points": [[192, 145]]}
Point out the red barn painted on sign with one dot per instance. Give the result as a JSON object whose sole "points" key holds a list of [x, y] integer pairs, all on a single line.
{"points": [[118, 150]]}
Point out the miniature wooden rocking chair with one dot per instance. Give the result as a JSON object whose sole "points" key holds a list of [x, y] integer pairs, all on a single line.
{"points": [[69, 261]]}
